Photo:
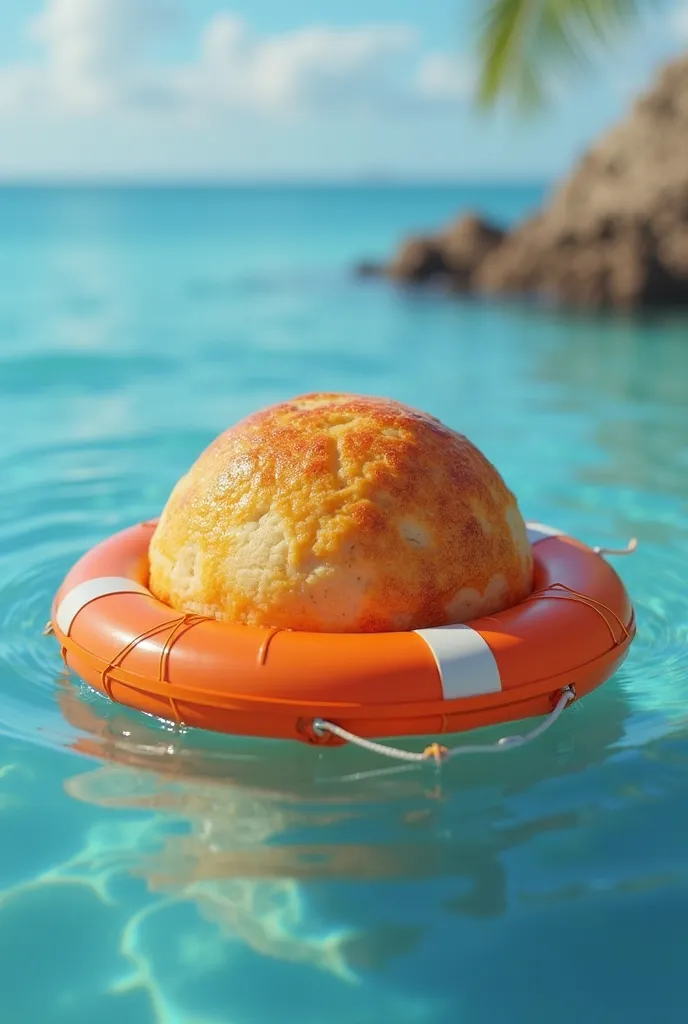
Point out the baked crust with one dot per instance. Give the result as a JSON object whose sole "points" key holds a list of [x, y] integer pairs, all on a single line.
{"points": [[341, 513]]}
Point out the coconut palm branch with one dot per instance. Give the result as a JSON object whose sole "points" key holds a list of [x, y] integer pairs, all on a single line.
{"points": [[520, 39]]}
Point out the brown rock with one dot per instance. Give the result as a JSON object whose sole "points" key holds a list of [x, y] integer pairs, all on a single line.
{"points": [[672, 250], [465, 244], [451, 257], [418, 261], [615, 232]]}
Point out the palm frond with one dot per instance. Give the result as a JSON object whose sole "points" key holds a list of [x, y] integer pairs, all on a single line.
{"points": [[519, 39]]}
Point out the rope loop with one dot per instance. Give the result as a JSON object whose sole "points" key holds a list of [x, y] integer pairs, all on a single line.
{"points": [[628, 550], [438, 753]]}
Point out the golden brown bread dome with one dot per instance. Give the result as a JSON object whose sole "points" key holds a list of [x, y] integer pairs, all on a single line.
{"points": [[342, 513]]}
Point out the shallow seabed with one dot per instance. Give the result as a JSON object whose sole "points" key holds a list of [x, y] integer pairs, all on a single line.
{"points": [[156, 876]]}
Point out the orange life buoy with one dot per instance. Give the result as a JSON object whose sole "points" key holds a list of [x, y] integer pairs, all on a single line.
{"points": [[575, 628]]}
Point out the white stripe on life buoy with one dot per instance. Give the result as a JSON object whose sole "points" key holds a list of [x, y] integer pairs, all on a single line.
{"points": [[466, 664], [72, 603], [538, 531]]}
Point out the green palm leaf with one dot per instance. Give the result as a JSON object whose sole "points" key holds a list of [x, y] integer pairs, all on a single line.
{"points": [[520, 39]]}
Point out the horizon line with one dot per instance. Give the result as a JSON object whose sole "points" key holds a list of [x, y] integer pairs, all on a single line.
{"points": [[227, 181]]}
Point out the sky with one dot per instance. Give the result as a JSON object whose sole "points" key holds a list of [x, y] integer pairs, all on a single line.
{"points": [[291, 90]]}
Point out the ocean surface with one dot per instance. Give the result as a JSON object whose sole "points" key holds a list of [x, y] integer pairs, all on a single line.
{"points": [[165, 877]]}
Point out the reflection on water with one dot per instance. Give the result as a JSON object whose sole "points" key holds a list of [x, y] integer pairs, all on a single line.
{"points": [[626, 382], [270, 816], [275, 846], [639, 388]]}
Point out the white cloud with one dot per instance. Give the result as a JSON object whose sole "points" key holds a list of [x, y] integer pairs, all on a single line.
{"points": [[678, 22], [442, 77], [296, 70], [92, 55], [20, 89], [95, 58]]}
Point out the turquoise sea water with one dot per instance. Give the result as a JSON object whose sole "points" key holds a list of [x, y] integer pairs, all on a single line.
{"points": [[153, 876]]}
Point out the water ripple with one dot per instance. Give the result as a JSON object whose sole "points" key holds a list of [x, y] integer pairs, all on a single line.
{"points": [[55, 508], [66, 371]]}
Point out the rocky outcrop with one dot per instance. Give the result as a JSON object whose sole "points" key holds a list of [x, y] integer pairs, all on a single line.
{"points": [[465, 245], [449, 258], [418, 261], [614, 234]]}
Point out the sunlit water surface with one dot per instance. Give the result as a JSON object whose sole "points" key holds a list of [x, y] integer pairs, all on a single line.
{"points": [[154, 876]]}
